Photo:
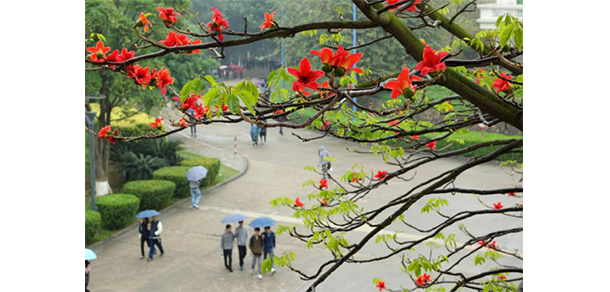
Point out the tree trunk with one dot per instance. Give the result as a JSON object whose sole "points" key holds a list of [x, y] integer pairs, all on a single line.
{"points": [[102, 150]]}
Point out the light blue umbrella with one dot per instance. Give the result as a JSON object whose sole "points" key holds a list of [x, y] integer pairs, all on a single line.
{"points": [[196, 173], [262, 222], [147, 214], [236, 217], [89, 255]]}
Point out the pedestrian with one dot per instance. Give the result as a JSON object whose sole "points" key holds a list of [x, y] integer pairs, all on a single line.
{"points": [[87, 272], [195, 194], [226, 244], [256, 246], [144, 236], [156, 228], [269, 240], [241, 232], [254, 130], [263, 134], [323, 163], [193, 126]]}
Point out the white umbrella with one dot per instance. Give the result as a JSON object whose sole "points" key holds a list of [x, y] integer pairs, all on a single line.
{"points": [[196, 173]]}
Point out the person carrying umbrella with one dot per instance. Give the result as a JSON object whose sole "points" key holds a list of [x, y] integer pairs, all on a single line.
{"points": [[89, 255], [156, 228], [144, 235], [269, 240], [194, 176], [226, 244], [322, 163], [256, 245], [241, 232]]}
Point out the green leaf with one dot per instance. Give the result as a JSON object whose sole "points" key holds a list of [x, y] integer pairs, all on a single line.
{"points": [[211, 94], [249, 100], [505, 35], [519, 38], [194, 85], [210, 80], [233, 104], [101, 37]]}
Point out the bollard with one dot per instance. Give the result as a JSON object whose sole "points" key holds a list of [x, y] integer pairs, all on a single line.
{"points": [[234, 145]]}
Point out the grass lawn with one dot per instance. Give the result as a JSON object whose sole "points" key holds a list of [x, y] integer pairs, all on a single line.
{"points": [[224, 174]]}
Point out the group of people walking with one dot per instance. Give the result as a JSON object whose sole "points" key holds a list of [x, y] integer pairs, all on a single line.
{"points": [[261, 246], [150, 233]]}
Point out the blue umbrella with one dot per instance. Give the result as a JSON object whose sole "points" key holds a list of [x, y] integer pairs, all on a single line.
{"points": [[236, 217], [196, 173], [89, 255], [147, 214], [262, 222]]}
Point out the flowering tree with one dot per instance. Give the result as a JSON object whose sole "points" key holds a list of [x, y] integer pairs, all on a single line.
{"points": [[485, 90]]}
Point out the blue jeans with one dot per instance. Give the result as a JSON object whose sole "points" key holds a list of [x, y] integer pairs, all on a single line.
{"points": [[195, 196], [270, 254], [153, 242]]}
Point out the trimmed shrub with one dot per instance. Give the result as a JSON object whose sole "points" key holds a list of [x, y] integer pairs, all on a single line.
{"points": [[211, 164], [93, 223], [117, 210], [153, 194], [176, 174]]}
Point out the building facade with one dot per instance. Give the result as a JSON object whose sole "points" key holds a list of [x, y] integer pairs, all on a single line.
{"points": [[491, 11]]}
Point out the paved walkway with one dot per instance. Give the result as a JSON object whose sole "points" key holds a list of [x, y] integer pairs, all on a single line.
{"points": [[191, 238]]}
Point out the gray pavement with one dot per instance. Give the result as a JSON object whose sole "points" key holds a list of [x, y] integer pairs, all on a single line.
{"points": [[191, 238]]}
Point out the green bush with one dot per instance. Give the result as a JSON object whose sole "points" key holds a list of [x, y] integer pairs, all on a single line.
{"points": [[211, 164], [93, 223], [153, 194], [117, 210], [177, 174]]}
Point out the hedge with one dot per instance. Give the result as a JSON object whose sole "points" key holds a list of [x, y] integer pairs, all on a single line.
{"points": [[93, 223], [176, 174], [211, 164], [153, 194], [117, 210], [130, 124]]}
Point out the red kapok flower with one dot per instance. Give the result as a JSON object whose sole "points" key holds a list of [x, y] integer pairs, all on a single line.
{"points": [[381, 174], [415, 137], [502, 277], [269, 21], [423, 279], [324, 202], [183, 123], [168, 14], [218, 21], [104, 133], [492, 245], [143, 21], [431, 145], [323, 184], [381, 285], [142, 75], [298, 203], [156, 124], [512, 194], [341, 61], [402, 85], [305, 77], [163, 80], [432, 61], [98, 53], [501, 84], [498, 206], [126, 55], [411, 8]]}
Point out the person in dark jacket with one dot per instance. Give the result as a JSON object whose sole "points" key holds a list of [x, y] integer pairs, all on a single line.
{"points": [[269, 239], [257, 245], [144, 236], [263, 135], [254, 131], [155, 237], [87, 272]]}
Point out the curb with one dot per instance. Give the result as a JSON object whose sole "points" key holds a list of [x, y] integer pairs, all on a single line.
{"points": [[174, 205]]}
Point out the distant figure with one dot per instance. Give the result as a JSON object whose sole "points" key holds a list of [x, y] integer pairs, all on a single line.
{"points": [[254, 131], [226, 244], [87, 272], [156, 228], [323, 164], [241, 233], [256, 246], [269, 239], [193, 126], [195, 194], [144, 236], [263, 135]]}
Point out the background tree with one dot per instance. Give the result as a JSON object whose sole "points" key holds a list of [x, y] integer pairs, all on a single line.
{"points": [[398, 130]]}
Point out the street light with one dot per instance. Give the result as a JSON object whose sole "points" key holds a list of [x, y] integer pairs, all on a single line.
{"points": [[90, 123]]}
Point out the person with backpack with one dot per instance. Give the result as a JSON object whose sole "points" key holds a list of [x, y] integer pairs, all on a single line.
{"points": [[257, 245], [156, 228], [144, 236]]}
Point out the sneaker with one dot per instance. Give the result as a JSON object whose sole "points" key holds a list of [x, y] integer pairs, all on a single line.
{"points": [[231, 270], [149, 259], [252, 272], [142, 257], [241, 268], [260, 277], [272, 270], [162, 254]]}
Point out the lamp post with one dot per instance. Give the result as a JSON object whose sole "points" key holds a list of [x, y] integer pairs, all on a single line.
{"points": [[90, 123], [354, 46], [283, 43]]}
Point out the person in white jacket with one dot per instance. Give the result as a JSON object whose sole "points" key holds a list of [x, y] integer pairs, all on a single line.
{"points": [[156, 228]]}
